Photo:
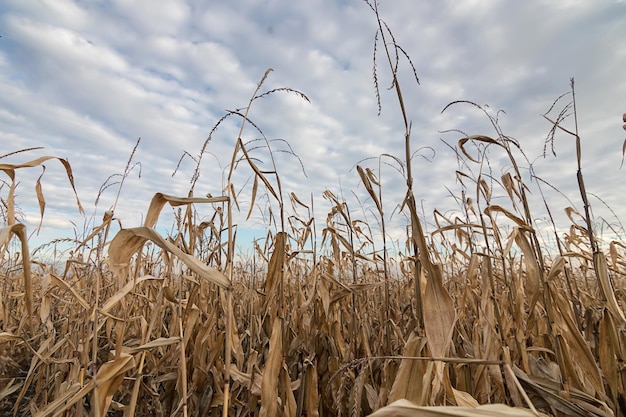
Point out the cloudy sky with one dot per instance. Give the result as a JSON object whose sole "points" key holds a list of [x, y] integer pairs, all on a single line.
{"points": [[86, 79]]}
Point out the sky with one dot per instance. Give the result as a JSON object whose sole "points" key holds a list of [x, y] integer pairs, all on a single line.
{"points": [[86, 79]]}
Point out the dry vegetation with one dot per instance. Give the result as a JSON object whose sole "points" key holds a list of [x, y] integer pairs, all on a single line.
{"points": [[474, 318]]}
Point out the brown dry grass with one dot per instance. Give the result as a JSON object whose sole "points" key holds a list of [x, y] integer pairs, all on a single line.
{"points": [[474, 319]]}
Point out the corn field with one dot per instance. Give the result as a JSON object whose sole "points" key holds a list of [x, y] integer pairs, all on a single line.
{"points": [[474, 318]]}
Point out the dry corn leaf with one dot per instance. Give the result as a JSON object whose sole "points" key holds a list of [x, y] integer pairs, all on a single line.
{"points": [[339, 341], [67, 287], [484, 188], [355, 401], [271, 372], [464, 399], [404, 408], [324, 295], [8, 336], [606, 287], [311, 393], [117, 297], [478, 138], [255, 186], [72, 394], [295, 198], [570, 212], [275, 269], [288, 399], [518, 220], [608, 353], [439, 320], [552, 393], [579, 348], [409, 380], [511, 189], [257, 171], [246, 379], [160, 199], [109, 378], [9, 169], [159, 342], [367, 182], [128, 241], [235, 344], [40, 198], [106, 221], [572, 372], [516, 391], [439, 314], [44, 311], [533, 277], [10, 388], [614, 254]]}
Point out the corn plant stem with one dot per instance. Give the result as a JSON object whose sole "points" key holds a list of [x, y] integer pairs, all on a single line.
{"points": [[229, 310], [354, 281], [579, 174], [417, 272], [183, 359], [189, 225], [313, 235], [385, 261], [282, 305], [583, 194], [416, 225], [94, 315], [387, 304], [28, 285]]}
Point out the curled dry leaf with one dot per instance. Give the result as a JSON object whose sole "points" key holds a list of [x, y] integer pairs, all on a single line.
{"points": [[128, 241], [108, 379]]}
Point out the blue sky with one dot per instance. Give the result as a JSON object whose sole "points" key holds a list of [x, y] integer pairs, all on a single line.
{"points": [[86, 79]]}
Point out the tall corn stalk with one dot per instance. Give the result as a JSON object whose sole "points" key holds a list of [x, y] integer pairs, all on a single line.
{"points": [[277, 269], [417, 235], [442, 301], [436, 312], [599, 260]]}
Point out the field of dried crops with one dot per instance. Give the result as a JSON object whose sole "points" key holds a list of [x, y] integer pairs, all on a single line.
{"points": [[142, 324], [475, 318]]}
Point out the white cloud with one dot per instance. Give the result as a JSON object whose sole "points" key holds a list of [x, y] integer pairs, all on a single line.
{"points": [[145, 16]]}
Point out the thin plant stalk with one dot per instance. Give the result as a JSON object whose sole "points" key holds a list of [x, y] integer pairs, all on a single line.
{"points": [[420, 253], [229, 312]]}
